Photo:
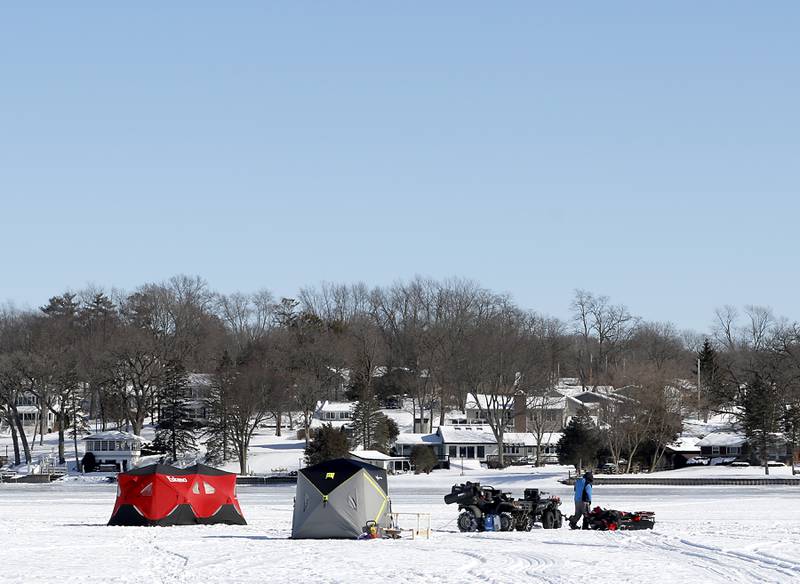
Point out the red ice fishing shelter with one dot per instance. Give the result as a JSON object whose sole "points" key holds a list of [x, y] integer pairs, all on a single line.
{"points": [[159, 494]]}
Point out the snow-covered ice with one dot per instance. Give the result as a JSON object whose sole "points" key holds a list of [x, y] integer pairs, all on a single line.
{"points": [[57, 533]]}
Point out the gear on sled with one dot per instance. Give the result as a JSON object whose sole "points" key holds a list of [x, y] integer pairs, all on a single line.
{"points": [[612, 520]]}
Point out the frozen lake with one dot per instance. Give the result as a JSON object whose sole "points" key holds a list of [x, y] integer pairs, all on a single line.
{"points": [[57, 532]]}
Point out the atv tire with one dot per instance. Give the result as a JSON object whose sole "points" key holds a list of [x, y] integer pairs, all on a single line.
{"points": [[548, 519], [467, 521], [506, 522], [524, 523], [559, 520]]}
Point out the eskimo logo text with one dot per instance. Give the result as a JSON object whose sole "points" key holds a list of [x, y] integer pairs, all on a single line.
{"points": [[177, 479]]}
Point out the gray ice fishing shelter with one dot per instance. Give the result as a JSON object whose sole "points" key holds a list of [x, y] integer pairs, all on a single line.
{"points": [[336, 499]]}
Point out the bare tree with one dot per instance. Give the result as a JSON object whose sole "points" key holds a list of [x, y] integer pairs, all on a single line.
{"points": [[503, 364], [604, 329]]}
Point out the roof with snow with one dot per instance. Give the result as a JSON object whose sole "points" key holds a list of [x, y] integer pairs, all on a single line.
{"points": [[331, 406], [572, 387], [113, 435], [489, 402], [685, 444], [590, 397], [529, 438], [722, 439], [554, 401], [199, 379], [413, 438], [373, 455], [466, 435]]}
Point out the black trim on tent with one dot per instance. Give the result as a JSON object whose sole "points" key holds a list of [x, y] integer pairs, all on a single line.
{"points": [[327, 476], [183, 514], [127, 515], [227, 514], [166, 469]]}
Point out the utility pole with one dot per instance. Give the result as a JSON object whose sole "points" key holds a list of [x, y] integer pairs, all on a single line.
{"points": [[698, 386]]}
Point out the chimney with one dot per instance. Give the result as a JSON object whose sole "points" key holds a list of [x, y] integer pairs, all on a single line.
{"points": [[520, 412]]}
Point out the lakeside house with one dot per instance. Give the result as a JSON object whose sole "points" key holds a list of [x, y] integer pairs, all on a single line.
{"points": [[114, 447]]}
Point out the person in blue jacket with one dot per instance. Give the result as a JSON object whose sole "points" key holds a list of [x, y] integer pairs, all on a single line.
{"points": [[583, 500]]}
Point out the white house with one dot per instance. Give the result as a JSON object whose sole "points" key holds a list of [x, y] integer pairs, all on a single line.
{"points": [[405, 443], [198, 389], [468, 442], [478, 406], [389, 463], [546, 411], [121, 449], [725, 446], [30, 414], [337, 413], [451, 443], [523, 445]]}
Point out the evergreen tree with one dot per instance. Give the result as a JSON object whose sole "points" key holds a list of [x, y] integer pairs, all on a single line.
{"points": [[385, 433], [423, 458], [763, 412], [217, 431], [175, 430], [579, 442], [712, 391], [371, 429], [791, 429], [327, 443]]}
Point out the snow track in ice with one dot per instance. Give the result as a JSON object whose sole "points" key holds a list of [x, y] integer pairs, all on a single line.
{"points": [[727, 565], [502, 567]]}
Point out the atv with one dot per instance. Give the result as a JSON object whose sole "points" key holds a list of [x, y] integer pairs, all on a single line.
{"points": [[537, 507], [477, 503]]}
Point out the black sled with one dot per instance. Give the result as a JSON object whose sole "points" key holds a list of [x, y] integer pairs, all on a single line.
{"points": [[613, 520]]}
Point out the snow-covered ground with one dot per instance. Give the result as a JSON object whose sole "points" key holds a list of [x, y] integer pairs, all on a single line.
{"points": [[57, 532]]}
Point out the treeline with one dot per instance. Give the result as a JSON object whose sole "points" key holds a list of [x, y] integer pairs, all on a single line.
{"points": [[122, 358]]}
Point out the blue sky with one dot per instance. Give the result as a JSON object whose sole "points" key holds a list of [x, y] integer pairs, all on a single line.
{"points": [[645, 152]]}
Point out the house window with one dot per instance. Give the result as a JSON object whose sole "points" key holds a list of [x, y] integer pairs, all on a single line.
{"points": [[715, 450], [481, 452], [453, 452]]}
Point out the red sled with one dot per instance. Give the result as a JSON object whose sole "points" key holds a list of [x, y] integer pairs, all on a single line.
{"points": [[160, 494]]}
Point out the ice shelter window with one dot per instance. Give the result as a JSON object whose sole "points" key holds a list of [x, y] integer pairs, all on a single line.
{"points": [[208, 488], [353, 498], [147, 491], [196, 488]]}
